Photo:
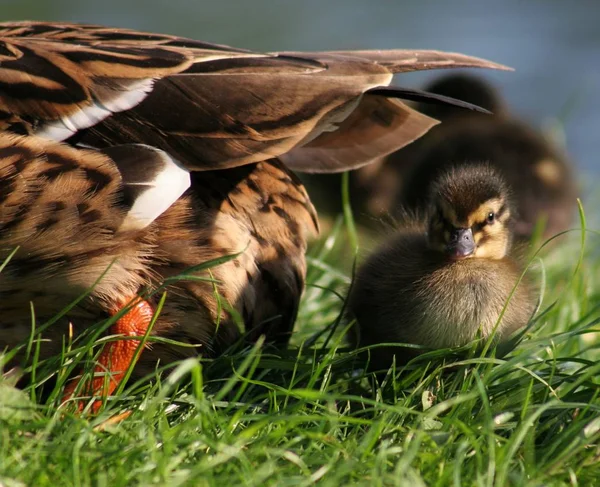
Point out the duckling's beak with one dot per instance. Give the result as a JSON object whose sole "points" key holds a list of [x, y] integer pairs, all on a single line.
{"points": [[461, 243]]}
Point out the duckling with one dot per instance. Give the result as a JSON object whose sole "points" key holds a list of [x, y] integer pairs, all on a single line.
{"points": [[539, 174], [442, 283], [378, 189], [126, 158], [375, 188]]}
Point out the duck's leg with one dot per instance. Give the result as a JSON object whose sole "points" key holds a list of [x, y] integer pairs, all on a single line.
{"points": [[116, 357]]}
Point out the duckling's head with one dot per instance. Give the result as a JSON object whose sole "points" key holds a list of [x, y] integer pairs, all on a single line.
{"points": [[471, 213]]}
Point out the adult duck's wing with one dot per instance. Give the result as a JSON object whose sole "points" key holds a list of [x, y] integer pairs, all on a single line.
{"points": [[209, 106], [56, 79]]}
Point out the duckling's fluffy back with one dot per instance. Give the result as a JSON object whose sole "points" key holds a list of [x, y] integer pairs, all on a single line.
{"points": [[407, 293]]}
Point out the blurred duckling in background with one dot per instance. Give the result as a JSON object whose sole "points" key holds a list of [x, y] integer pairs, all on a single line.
{"points": [[442, 283], [378, 189], [375, 188], [539, 175]]}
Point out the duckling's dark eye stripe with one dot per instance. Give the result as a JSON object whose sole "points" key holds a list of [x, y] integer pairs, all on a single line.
{"points": [[447, 226], [478, 226], [501, 211]]}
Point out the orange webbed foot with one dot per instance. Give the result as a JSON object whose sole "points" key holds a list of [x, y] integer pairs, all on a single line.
{"points": [[116, 357]]}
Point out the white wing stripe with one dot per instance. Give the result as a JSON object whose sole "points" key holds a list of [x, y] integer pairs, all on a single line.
{"points": [[97, 111], [166, 188]]}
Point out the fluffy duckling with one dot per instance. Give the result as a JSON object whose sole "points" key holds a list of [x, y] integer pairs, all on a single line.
{"points": [[128, 157], [375, 188], [440, 284], [378, 189], [538, 173]]}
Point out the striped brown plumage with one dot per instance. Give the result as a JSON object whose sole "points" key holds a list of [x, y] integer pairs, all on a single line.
{"points": [[63, 206], [134, 156], [210, 106]]}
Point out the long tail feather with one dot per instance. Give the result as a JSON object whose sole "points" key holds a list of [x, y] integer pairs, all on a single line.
{"points": [[421, 96]]}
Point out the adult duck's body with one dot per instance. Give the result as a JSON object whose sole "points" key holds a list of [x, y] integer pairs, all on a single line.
{"points": [[128, 157]]}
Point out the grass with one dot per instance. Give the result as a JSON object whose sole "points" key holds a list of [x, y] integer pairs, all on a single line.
{"points": [[309, 415]]}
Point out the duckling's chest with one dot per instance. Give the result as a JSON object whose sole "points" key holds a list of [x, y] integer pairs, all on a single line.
{"points": [[459, 299]]}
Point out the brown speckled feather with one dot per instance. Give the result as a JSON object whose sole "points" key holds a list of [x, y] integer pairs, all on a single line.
{"points": [[210, 106], [63, 207]]}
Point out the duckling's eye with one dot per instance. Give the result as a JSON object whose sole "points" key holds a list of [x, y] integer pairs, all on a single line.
{"points": [[491, 217]]}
